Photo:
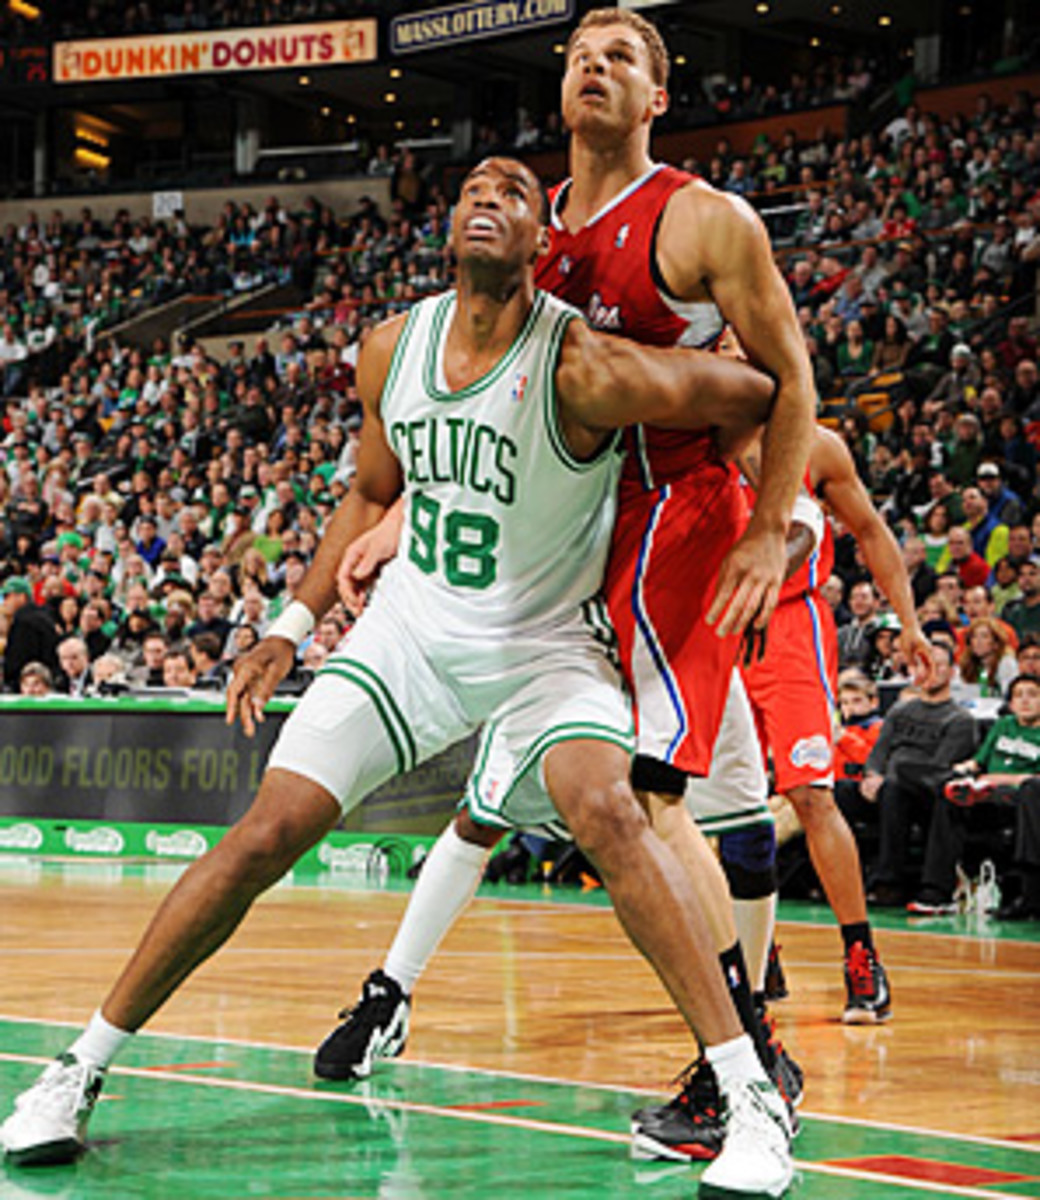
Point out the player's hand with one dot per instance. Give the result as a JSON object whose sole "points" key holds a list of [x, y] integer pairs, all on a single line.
{"points": [[362, 561], [749, 582], [255, 677], [917, 652], [870, 785]]}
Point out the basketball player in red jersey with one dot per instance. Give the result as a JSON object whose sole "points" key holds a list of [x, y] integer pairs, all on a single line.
{"points": [[655, 254], [792, 689]]}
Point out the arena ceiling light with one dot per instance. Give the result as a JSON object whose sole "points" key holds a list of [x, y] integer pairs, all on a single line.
{"points": [[390, 97], [762, 8], [304, 81], [884, 20]]}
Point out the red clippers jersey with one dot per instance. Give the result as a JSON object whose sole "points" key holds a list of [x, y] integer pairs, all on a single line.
{"points": [[605, 270], [818, 567]]}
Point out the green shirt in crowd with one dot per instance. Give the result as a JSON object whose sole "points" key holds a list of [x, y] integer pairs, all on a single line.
{"points": [[1023, 618], [1010, 749]]}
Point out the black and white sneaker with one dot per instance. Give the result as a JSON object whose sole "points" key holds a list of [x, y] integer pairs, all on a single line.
{"points": [[376, 1027], [755, 1159], [49, 1122]]}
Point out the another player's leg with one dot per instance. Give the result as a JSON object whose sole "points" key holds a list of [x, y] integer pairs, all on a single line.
{"points": [[662, 913], [377, 1026], [333, 750], [732, 795], [289, 815], [835, 857]]}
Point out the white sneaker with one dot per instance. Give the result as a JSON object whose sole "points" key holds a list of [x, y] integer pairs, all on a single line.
{"points": [[49, 1121], [755, 1159]]}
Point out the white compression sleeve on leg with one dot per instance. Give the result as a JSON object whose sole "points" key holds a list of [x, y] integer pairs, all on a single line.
{"points": [[450, 876], [755, 921]]}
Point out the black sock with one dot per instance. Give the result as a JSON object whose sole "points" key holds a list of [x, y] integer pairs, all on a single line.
{"points": [[858, 931], [734, 970]]}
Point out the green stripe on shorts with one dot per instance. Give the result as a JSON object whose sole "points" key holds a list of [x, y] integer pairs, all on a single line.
{"points": [[388, 698], [712, 826], [356, 678], [552, 737]]}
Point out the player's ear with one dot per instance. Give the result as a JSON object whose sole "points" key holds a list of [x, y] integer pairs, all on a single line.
{"points": [[542, 244], [658, 102]]}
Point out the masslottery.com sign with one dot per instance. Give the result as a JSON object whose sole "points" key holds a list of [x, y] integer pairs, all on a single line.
{"points": [[457, 23], [278, 47]]}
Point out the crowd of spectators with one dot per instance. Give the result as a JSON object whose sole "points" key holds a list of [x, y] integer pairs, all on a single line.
{"points": [[159, 507]]}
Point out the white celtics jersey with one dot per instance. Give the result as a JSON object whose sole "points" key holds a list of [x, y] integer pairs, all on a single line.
{"points": [[504, 528]]}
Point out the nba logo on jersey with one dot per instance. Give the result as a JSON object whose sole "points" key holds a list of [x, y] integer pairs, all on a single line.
{"points": [[622, 237], [565, 264], [519, 387]]}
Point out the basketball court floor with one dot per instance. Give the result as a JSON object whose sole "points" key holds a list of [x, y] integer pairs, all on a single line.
{"points": [[535, 1033]]}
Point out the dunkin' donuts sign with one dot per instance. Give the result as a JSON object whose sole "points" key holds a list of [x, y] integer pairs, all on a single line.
{"points": [[277, 47]]}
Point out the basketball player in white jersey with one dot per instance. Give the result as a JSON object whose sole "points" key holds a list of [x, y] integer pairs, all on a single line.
{"points": [[496, 412]]}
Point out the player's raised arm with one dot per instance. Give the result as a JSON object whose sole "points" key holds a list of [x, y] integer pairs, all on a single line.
{"points": [[374, 488], [605, 382], [734, 261]]}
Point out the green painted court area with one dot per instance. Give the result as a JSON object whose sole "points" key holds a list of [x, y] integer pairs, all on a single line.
{"points": [[196, 1119]]}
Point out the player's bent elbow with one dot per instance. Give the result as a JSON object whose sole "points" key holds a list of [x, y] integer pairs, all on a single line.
{"points": [[761, 393]]}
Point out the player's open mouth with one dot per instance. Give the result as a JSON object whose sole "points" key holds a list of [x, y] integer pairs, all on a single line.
{"points": [[593, 91], [481, 226]]}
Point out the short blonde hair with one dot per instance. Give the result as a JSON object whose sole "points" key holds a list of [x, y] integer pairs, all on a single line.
{"points": [[652, 40]]}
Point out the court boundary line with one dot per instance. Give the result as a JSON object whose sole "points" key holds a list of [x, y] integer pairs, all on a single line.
{"points": [[527, 1124], [428, 1064]]}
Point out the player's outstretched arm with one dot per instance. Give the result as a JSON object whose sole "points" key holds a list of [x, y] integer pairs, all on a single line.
{"points": [[374, 488], [605, 382], [848, 498]]}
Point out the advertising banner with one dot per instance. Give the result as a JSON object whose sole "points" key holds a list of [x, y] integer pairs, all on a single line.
{"points": [[340, 857], [457, 23], [126, 761], [218, 51]]}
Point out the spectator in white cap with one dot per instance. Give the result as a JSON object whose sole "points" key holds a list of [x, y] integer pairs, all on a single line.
{"points": [[1004, 506], [960, 383]]}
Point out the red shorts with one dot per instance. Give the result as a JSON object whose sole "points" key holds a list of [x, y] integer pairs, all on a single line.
{"points": [[668, 547], [792, 692]]}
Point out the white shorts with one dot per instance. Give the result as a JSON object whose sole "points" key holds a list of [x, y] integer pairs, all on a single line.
{"points": [[394, 693], [735, 792]]}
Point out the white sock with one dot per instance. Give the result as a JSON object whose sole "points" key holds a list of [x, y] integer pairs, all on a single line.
{"points": [[99, 1043], [450, 875], [735, 1062], [755, 921]]}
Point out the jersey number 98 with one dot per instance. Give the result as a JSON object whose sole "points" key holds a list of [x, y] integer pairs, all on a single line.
{"points": [[469, 543]]}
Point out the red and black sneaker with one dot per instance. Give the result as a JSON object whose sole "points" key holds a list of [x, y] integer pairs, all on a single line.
{"points": [[776, 981], [688, 1127], [783, 1070], [868, 1000]]}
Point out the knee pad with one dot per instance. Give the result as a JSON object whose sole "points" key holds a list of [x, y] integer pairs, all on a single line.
{"points": [[749, 860], [653, 775]]}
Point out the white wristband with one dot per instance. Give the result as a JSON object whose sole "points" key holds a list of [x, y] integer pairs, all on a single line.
{"points": [[294, 624], [808, 513]]}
